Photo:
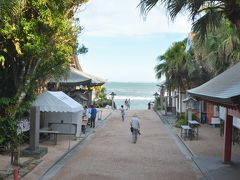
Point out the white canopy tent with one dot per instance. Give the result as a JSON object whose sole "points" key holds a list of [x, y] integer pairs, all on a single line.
{"points": [[60, 111]]}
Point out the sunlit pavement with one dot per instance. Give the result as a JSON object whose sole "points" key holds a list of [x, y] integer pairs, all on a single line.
{"points": [[206, 151], [64, 147], [110, 154]]}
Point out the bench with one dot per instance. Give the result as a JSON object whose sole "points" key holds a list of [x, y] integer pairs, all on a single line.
{"points": [[186, 131], [48, 130]]}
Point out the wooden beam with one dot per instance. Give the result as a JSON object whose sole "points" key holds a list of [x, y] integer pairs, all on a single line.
{"points": [[227, 149], [233, 112]]}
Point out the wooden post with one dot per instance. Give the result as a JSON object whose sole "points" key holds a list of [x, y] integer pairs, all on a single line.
{"points": [[227, 151]]}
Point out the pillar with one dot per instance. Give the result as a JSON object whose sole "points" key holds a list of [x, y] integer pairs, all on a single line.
{"points": [[227, 151], [34, 128], [34, 150], [161, 101], [189, 112]]}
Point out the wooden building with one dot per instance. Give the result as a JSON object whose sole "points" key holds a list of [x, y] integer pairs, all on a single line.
{"points": [[224, 91], [77, 83]]}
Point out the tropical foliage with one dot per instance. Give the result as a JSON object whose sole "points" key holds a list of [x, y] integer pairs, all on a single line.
{"points": [[215, 41], [100, 99], [204, 14], [180, 68], [37, 40], [220, 49]]}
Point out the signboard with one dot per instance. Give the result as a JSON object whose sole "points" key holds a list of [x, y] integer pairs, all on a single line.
{"points": [[222, 112], [23, 125], [236, 122]]}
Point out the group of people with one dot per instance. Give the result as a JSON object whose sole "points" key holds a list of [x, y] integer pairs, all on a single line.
{"points": [[89, 115]]}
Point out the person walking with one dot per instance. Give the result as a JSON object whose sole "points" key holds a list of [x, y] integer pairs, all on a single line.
{"points": [[135, 127], [122, 110], [126, 104], [93, 116], [129, 103]]}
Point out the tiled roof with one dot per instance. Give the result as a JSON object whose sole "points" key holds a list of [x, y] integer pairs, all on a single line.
{"points": [[223, 88], [77, 77]]}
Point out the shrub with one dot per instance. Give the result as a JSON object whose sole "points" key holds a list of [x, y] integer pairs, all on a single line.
{"points": [[181, 115], [103, 103], [181, 122]]}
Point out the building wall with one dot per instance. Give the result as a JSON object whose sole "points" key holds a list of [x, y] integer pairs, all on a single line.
{"points": [[210, 112]]}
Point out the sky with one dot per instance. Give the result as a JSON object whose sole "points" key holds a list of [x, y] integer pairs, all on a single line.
{"points": [[122, 45]]}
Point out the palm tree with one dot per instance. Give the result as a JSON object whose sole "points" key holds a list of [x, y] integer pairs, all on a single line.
{"points": [[171, 64], [204, 14], [220, 49], [180, 68]]}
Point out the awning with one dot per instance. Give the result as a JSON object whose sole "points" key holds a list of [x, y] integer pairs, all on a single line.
{"points": [[56, 101], [189, 98], [95, 81], [76, 77], [224, 88]]}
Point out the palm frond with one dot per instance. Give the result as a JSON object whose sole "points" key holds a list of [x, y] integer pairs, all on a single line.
{"points": [[147, 5], [175, 7], [11, 7], [210, 20]]}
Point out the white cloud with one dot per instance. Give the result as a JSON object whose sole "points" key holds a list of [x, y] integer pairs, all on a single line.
{"points": [[122, 17]]}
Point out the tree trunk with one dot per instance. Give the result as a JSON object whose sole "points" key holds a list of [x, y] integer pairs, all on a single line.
{"points": [[238, 25]]}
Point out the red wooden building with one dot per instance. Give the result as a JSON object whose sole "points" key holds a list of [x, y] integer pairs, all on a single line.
{"points": [[223, 90]]}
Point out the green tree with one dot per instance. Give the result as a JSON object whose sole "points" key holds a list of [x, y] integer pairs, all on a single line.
{"points": [[37, 43], [172, 65], [101, 96], [10, 7], [180, 68], [220, 48]]}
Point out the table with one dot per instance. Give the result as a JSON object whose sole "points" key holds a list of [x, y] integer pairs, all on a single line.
{"points": [[186, 131], [49, 131], [194, 125]]}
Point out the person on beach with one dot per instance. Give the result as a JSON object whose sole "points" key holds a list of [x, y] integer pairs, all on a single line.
{"points": [[149, 105], [122, 110], [126, 104], [93, 116], [135, 127], [129, 103]]}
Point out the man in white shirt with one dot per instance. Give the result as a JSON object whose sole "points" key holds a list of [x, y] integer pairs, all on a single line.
{"points": [[88, 114], [135, 127]]}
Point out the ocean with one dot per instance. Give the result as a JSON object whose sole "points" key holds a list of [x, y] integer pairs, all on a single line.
{"points": [[138, 93]]}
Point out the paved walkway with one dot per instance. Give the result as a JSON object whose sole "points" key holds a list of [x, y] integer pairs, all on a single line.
{"points": [[110, 154], [206, 152], [56, 152]]}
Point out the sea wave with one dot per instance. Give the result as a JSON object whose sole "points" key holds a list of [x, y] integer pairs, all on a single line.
{"points": [[132, 98]]}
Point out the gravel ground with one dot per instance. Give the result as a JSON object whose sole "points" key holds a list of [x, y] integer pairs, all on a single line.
{"points": [[110, 154]]}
